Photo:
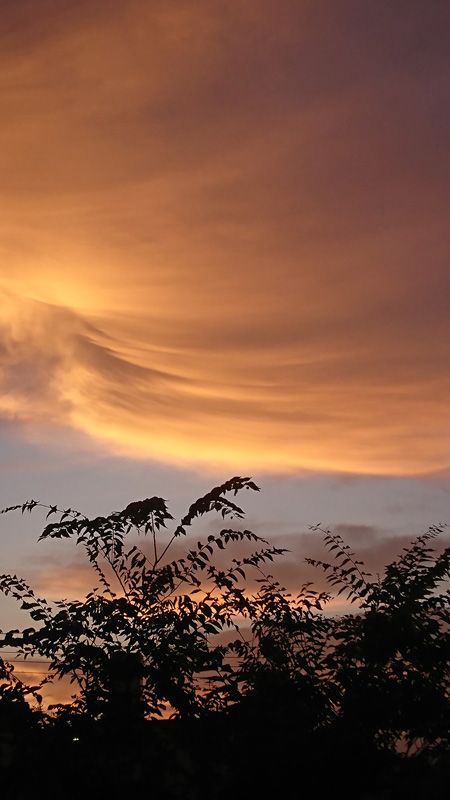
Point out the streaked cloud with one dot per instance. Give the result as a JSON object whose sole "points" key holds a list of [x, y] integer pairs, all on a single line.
{"points": [[73, 577], [223, 231]]}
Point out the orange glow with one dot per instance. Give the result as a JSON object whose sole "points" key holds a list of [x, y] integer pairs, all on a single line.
{"points": [[211, 256]]}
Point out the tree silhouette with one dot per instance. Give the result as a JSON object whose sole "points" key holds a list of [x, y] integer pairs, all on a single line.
{"points": [[229, 652], [164, 612]]}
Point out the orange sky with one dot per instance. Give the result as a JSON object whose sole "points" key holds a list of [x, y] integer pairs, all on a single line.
{"points": [[223, 230]]}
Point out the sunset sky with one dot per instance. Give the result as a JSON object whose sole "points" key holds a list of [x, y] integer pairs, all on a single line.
{"points": [[224, 246]]}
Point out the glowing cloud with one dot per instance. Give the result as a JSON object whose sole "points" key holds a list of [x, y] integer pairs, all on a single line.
{"points": [[222, 232]]}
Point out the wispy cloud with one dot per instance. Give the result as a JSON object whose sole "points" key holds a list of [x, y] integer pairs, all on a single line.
{"points": [[376, 547], [223, 231]]}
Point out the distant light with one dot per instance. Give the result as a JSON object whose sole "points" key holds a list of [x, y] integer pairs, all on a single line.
{"points": [[75, 739]]}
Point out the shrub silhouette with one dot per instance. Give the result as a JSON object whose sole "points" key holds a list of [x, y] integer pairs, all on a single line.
{"points": [[188, 639], [164, 612]]}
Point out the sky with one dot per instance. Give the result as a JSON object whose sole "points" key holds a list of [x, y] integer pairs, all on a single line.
{"points": [[224, 251]]}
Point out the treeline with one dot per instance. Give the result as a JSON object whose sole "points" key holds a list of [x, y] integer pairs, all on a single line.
{"points": [[197, 679]]}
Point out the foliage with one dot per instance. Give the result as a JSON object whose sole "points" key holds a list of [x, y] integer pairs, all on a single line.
{"points": [[204, 642], [162, 612], [390, 662]]}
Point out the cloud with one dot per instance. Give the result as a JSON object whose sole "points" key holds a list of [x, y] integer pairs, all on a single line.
{"points": [[224, 230], [72, 580], [72, 577]]}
